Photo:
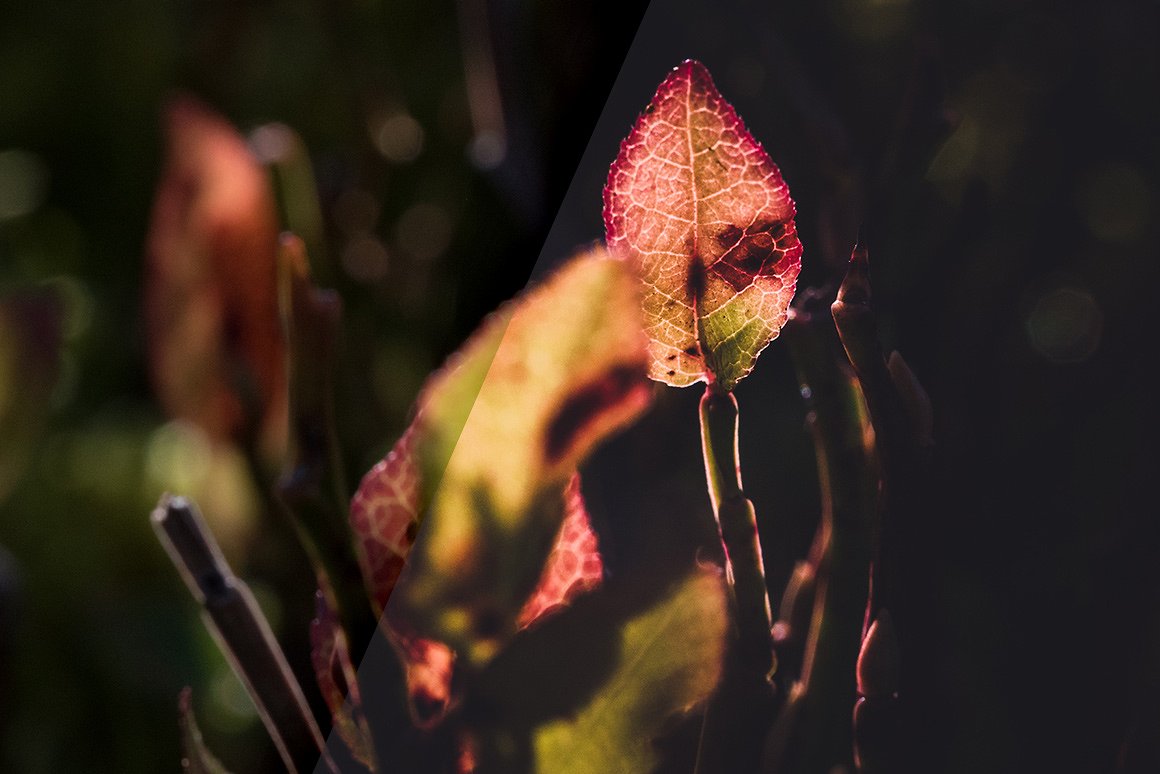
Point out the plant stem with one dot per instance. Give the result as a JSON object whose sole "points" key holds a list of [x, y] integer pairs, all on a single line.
{"points": [[858, 330], [295, 189], [902, 419], [313, 491], [900, 412], [242, 633], [10, 594], [312, 487], [744, 703], [814, 734], [738, 524]]}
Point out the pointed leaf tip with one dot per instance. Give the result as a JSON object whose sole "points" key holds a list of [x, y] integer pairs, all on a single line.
{"points": [[196, 757], [855, 288], [878, 661], [696, 202]]}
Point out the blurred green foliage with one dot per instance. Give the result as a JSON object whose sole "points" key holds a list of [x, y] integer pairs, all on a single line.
{"points": [[97, 635], [1013, 235]]}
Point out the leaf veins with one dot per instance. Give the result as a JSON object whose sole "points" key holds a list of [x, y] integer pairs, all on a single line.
{"points": [[696, 202]]}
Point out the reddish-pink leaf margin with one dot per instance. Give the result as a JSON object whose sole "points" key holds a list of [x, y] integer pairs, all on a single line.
{"points": [[385, 515], [696, 202]]}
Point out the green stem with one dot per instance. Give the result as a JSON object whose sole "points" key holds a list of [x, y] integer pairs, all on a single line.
{"points": [[738, 524], [744, 704], [242, 632], [858, 330], [857, 327]]}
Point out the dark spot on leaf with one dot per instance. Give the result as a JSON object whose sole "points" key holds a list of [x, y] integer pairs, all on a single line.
{"points": [[728, 236], [691, 351], [749, 257], [751, 254], [672, 356], [776, 230], [586, 404], [670, 373], [488, 624], [648, 111], [696, 278], [428, 708]]}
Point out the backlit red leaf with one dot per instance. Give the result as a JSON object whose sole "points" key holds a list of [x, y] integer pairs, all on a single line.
{"points": [[215, 343], [568, 401], [699, 205]]}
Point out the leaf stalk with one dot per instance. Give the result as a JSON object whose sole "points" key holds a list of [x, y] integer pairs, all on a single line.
{"points": [[737, 522]]}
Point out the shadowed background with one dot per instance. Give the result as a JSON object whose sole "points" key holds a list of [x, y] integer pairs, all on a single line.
{"points": [[1002, 157]]}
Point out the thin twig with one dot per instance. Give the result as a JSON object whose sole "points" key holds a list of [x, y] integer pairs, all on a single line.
{"points": [[242, 633], [817, 734]]}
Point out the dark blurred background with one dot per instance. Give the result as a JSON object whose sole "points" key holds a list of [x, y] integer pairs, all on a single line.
{"points": [[1001, 156]]}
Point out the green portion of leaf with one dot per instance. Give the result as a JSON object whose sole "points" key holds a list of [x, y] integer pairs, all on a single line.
{"points": [[197, 759], [696, 202], [448, 398], [594, 686], [669, 660], [734, 335], [501, 431]]}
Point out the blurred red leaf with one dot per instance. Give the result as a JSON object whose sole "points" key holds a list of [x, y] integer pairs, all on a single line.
{"points": [[696, 201], [573, 567], [385, 514], [215, 342], [547, 378], [567, 380], [330, 655]]}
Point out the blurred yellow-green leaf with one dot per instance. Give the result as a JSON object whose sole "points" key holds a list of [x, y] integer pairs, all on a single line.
{"points": [[503, 428], [592, 688]]}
